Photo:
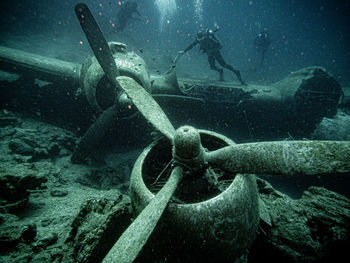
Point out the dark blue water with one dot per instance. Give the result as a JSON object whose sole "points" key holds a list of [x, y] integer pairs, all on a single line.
{"points": [[303, 33]]}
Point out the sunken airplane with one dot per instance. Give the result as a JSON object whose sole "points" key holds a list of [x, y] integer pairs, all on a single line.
{"points": [[290, 107], [190, 155]]}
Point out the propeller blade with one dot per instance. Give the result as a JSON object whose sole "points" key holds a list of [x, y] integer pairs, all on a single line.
{"points": [[142, 100], [129, 245], [284, 158], [147, 106], [95, 133], [97, 41]]}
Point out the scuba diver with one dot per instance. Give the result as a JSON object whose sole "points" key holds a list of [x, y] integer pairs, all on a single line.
{"points": [[210, 45], [262, 43], [126, 11]]}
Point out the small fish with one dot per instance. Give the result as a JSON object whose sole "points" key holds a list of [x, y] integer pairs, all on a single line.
{"points": [[141, 50], [153, 59], [158, 71]]}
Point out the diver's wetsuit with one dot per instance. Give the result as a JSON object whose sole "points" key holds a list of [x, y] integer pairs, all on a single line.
{"points": [[211, 46], [262, 43], [125, 13]]}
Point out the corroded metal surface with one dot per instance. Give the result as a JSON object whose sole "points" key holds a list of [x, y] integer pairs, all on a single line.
{"points": [[135, 237], [287, 157], [227, 222], [147, 106], [128, 63], [36, 66]]}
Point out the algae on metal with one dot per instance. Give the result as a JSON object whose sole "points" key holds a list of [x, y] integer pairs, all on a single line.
{"points": [[135, 237], [285, 157]]}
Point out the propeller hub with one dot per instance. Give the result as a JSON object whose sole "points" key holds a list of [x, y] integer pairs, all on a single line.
{"points": [[124, 101], [187, 142], [188, 150]]}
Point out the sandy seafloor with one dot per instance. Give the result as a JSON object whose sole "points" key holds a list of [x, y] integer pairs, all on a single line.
{"points": [[53, 206]]}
